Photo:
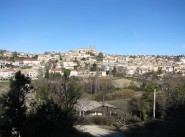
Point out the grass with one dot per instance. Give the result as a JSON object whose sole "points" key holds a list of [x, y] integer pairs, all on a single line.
{"points": [[87, 96], [119, 94], [4, 86]]}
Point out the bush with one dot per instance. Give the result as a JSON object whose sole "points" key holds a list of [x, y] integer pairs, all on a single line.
{"points": [[97, 120], [84, 121], [102, 120], [50, 121]]}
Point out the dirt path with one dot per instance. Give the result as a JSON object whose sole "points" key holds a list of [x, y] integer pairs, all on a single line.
{"points": [[97, 131]]}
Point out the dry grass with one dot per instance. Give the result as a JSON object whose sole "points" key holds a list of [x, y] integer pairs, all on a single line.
{"points": [[4, 86], [121, 94], [123, 83]]}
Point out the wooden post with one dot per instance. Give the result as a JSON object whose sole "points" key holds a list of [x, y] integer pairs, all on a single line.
{"points": [[103, 104], [103, 100], [154, 105]]}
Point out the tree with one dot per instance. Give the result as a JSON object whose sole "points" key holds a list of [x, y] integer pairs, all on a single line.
{"points": [[159, 70], [94, 67], [114, 71], [137, 71], [14, 54], [64, 91], [174, 88], [139, 108], [55, 75], [84, 59], [143, 106], [47, 74], [14, 104], [69, 91], [67, 73], [50, 114], [121, 71], [50, 120], [46, 52], [35, 57], [151, 75], [100, 55]]}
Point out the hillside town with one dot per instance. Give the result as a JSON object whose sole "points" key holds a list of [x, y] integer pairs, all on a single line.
{"points": [[85, 62]]}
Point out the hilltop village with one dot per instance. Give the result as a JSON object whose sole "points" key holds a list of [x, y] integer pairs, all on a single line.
{"points": [[85, 62], [130, 94]]}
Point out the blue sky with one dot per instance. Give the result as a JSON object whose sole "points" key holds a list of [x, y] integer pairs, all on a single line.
{"points": [[147, 27]]}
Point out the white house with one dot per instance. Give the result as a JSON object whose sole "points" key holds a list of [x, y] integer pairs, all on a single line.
{"points": [[7, 54], [45, 57], [74, 73], [104, 74], [32, 73], [69, 64], [31, 62], [130, 71], [22, 54], [86, 50], [169, 69], [6, 73], [56, 70], [18, 62]]}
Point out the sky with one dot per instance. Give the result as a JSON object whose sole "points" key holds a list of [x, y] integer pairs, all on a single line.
{"points": [[124, 27]]}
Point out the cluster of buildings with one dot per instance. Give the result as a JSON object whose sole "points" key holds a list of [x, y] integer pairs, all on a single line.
{"points": [[80, 62]]}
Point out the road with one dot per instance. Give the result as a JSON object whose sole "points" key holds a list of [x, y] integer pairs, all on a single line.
{"points": [[97, 131]]}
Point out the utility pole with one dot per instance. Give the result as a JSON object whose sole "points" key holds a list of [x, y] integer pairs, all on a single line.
{"points": [[154, 105], [103, 100]]}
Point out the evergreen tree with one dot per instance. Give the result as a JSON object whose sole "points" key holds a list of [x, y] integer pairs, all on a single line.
{"points": [[114, 71], [94, 67], [100, 55], [67, 73], [47, 74], [14, 105]]}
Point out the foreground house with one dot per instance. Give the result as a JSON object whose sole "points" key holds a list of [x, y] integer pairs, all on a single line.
{"points": [[87, 107]]}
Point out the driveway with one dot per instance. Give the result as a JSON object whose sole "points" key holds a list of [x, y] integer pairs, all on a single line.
{"points": [[97, 131]]}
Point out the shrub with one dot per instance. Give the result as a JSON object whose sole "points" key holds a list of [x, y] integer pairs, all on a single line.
{"points": [[50, 121], [102, 120], [84, 121]]}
